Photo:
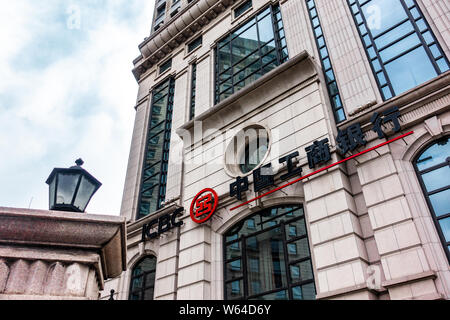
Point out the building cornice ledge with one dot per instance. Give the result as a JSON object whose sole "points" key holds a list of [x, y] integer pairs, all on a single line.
{"points": [[66, 230], [176, 31]]}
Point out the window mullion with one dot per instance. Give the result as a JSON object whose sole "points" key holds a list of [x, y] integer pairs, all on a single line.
{"points": [[419, 34], [377, 53]]}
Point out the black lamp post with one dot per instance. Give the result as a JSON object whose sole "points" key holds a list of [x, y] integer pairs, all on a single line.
{"points": [[71, 189]]}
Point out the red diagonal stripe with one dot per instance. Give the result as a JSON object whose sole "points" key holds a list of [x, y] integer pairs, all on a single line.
{"points": [[323, 169]]}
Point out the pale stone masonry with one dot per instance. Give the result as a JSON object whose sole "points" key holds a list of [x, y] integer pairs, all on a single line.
{"points": [[371, 231], [49, 255]]}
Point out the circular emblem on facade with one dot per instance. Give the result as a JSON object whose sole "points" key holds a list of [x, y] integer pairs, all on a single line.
{"points": [[204, 205]]}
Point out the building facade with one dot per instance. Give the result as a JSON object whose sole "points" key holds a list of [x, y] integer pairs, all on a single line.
{"points": [[318, 134]]}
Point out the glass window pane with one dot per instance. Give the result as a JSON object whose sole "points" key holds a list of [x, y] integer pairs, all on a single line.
{"points": [[394, 34], [266, 29], [296, 229], [235, 289], [233, 250], [234, 269], [280, 295], [301, 271], [148, 294], [443, 65], [399, 47], [441, 202], [267, 249], [298, 249], [437, 179], [445, 226], [434, 155], [383, 14], [410, 70]]}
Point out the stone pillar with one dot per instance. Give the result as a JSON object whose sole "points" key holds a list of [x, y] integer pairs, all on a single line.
{"points": [[338, 249], [49, 255], [405, 265]]}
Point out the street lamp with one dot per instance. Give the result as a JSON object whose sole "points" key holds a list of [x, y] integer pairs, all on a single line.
{"points": [[71, 189]]}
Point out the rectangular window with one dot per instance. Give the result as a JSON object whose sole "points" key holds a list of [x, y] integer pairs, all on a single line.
{"points": [[249, 52], [399, 43], [156, 159], [195, 44], [165, 66], [333, 90], [242, 8], [193, 91]]}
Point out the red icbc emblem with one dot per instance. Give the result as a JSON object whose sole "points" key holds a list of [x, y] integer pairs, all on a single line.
{"points": [[204, 205]]}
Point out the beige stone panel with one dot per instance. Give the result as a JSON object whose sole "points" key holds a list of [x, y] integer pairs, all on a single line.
{"points": [[166, 268], [396, 237], [305, 119], [194, 273], [311, 133], [165, 286], [347, 56], [343, 276], [404, 263], [382, 190], [334, 227], [297, 26], [196, 291], [389, 212], [338, 251], [167, 250], [438, 12], [193, 255], [196, 235], [144, 87], [376, 169], [204, 83], [132, 179], [325, 184], [330, 205]]}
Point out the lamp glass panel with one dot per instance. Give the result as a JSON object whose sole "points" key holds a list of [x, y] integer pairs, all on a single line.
{"points": [[67, 183], [84, 194]]}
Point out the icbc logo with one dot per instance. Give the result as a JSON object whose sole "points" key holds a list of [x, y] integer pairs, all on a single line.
{"points": [[204, 205]]}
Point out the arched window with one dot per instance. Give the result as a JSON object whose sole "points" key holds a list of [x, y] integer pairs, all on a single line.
{"points": [[143, 279], [433, 169], [267, 257]]}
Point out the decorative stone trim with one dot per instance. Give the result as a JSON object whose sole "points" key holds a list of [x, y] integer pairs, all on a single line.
{"points": [[176, 32]]}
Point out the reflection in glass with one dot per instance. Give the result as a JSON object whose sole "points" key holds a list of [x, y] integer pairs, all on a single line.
{"points": [[249, 52], [143, 279], [154, 173], [269, 237], [433, 169], [389, 33]]}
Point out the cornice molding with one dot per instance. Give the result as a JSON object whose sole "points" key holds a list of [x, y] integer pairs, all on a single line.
{"points": [[176, 31]]}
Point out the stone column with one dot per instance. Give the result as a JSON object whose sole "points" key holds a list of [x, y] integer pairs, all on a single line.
{"points": [[49, 255], [405, 265]]}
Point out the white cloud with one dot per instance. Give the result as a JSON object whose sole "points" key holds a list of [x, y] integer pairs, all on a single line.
{"points": [[68, 94]]}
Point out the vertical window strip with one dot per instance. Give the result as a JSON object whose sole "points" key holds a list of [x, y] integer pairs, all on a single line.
{"points": [[333, 90], [156, 160], [250, 51], [416, 34], [193, 91]]}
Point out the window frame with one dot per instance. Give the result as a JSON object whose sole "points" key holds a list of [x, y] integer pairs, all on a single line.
{"points": [[427, 194], [377, 50], [144, 288], [286, 220], [329, 84], [163, 162], [230, 36]]}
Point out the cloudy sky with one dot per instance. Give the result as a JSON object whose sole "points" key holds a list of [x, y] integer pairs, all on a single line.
{"points": [[67, 91]]}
